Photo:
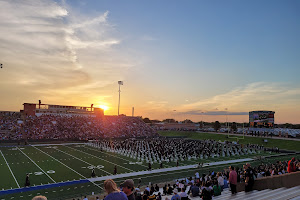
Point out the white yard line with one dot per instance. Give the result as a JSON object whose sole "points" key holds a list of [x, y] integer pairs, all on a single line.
{"points": [[37, 145], [10, 169], [93, 149], [168, 169], [37, 165], [101, 158], [82, 160], [65, 165]]}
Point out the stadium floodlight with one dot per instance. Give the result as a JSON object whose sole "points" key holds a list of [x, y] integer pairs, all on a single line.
{"points": [[120, 83]]}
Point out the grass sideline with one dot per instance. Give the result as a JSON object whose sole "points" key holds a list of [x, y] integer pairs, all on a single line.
{"points": [[281, 144]]}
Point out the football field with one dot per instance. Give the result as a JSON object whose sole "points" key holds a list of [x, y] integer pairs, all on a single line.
{"points": [[61, 171]]}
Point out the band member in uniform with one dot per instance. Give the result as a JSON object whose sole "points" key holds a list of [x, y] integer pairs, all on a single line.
{"points": [[115, 170], [27, 182]]}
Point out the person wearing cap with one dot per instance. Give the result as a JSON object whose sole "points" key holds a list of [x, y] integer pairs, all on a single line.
{"points": [[128, 187], [113, 192], [175, 196]]}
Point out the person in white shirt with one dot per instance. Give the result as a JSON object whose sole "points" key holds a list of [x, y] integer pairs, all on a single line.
{"points": [[197, 175], [183, 194], [220, 180], [147, 188]]}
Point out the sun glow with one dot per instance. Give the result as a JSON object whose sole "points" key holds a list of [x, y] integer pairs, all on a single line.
{"points": [[104, 107]]}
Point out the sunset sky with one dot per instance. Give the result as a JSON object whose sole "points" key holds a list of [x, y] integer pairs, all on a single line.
{"points": [[196, 59]]}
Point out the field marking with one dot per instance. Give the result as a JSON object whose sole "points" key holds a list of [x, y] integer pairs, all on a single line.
{"points": [[37, 165], [37, 145], [65, 165], [10, 169], [168, 169], [94, 149], [101, 159], [81, 160]]}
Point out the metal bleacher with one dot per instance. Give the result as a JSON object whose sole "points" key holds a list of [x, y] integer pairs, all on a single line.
{"points": [[277, 194], [267, 194]]}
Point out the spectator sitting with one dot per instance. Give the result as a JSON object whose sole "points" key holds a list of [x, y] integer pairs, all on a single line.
{"points": [[170, 189], [183, 195], [175, 196], [206, 193], [195, 190], [216, 188], [113, 192]]}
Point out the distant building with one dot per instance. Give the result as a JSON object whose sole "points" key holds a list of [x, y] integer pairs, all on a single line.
{"points": [[31, 109], [261, 119]]}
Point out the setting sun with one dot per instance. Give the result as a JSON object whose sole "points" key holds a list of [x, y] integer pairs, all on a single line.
{"points": [[104, 107]]}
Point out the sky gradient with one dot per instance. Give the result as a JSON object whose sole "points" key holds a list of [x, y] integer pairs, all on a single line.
{"points": [[200, 60]]}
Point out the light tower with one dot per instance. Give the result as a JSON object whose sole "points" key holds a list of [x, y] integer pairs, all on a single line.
{"points": [[120, 83]]}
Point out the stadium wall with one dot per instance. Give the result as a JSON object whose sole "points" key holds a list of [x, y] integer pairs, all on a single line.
{"points": [[273, 182]]}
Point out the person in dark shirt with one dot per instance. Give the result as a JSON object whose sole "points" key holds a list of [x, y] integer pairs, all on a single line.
{"points": [[249, 179], [93, 173], [115, 170], [27, 182], [195, 190], [170, 189], [128, 187]]}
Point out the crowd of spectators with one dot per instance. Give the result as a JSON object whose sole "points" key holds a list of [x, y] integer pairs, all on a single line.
{"points": [[72, 127], [213, 183]]}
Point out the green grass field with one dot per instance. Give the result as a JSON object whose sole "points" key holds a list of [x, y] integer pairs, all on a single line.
{"points": [[272, 142], [51, 164]]}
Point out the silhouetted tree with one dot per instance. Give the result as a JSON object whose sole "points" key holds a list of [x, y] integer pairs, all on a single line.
{"points": [[217, 125]]}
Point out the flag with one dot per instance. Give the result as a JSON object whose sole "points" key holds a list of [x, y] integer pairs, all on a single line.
{"points": [[120, 82]]}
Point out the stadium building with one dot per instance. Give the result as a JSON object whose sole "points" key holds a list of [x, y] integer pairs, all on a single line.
{"points": [[31, 109]]}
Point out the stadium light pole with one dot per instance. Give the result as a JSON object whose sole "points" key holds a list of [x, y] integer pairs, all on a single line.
{"points": [[120, 83], [227, 124], [202, 118]]}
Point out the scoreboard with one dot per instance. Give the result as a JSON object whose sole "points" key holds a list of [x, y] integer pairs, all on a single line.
{"points": [[261, 119]]}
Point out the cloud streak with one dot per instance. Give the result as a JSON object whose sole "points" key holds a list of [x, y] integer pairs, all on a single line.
{"points": [[49, 48], [200, 112], [240, 100]]}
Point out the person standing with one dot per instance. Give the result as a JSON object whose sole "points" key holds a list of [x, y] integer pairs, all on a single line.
{"points": [[93, 173], [27, 181], [232, 180], [161, 165], [291, 165], [128, 187], [249, 179], [115, 170]]}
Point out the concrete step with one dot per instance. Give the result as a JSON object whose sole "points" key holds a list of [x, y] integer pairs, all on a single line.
{"points": [[262, 194], [254, 195], [295, 198], [276, 193], [293, 192]]}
